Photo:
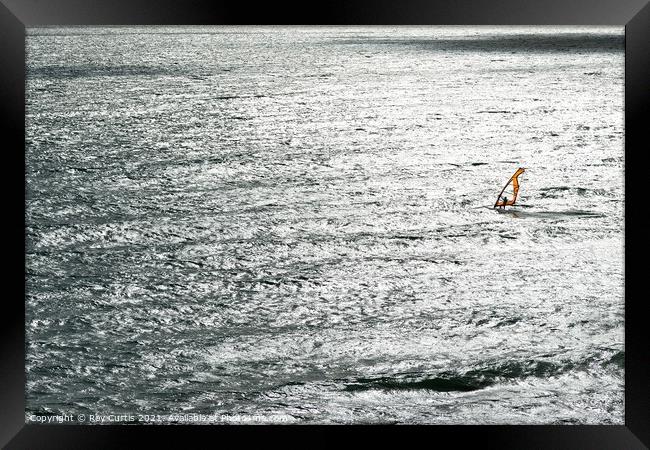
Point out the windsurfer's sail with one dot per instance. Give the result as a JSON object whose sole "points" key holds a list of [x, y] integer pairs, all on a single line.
{"points": [[511, 194]]}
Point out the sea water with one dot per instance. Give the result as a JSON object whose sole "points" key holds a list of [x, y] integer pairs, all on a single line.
{"points": [[295, 224]]}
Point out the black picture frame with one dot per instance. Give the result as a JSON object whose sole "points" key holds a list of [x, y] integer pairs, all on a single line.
{"points": [[15, 15]]}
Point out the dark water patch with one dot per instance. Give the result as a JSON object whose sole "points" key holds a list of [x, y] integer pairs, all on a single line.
{"points": [[231, 97], [618, 359], [569, 421], [85, 71], [319, 75], [555, 191], [479, 164], [471, 380], [519, 370], [609, 160], [507, 322], [525, 43], [439, 384], [409, 238], [548, 214]]}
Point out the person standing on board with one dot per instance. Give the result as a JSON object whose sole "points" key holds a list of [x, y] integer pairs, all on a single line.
{"points": [[505, 202]]}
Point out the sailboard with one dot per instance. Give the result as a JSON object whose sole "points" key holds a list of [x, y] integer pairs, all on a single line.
{"points": [[510, 191]]}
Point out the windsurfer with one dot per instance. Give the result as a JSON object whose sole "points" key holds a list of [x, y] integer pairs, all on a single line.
{"points": [[502, 200]]}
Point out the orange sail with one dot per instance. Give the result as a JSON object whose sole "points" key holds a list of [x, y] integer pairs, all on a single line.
{"points": [[514, 183]]}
